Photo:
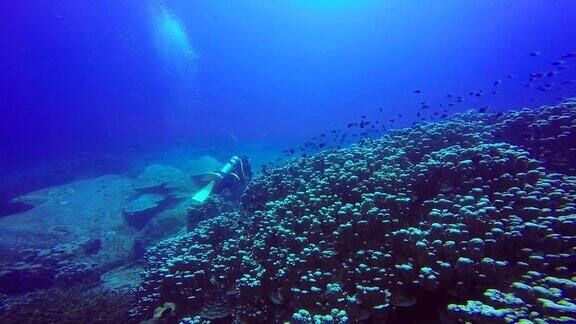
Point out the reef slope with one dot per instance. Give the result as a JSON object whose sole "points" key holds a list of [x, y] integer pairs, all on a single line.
{"points": [[473, 218]]}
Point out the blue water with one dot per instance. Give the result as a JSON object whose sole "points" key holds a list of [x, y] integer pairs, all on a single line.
{"points": [[111, 79]]}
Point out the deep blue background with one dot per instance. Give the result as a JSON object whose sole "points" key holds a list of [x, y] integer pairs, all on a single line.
{"points": [[80, 77]]}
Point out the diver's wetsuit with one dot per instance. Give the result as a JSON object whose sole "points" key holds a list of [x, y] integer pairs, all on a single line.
{"points": [[235, 174]]}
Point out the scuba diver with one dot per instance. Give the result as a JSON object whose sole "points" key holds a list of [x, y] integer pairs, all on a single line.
{"points": [[229, 182]]}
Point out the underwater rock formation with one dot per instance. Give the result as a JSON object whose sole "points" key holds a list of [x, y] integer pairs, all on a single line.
{"points": [[156, 189], [163, 196], [86, 228], [204, 163], [140, 210], [468, 215], [72, 232], [160, 177], [186, 214]]}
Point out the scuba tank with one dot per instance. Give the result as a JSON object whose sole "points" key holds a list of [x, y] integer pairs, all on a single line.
{"points": [[232, 178]]}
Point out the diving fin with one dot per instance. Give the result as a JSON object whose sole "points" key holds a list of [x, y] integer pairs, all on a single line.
{"points": [[204, 193]]}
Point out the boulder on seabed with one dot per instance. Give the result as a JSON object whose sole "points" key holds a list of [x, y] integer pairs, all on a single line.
{"points": [[140, 210], [158, 178], [203, 164]]}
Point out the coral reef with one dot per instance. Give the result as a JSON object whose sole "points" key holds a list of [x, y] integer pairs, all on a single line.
{"points": [[464, 214], [548, 134], [84, 302], [122, 279], [40, 268], [212, 207]]}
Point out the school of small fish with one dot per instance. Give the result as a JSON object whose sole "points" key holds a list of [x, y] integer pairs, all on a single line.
{"points": [[366, 127]]}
